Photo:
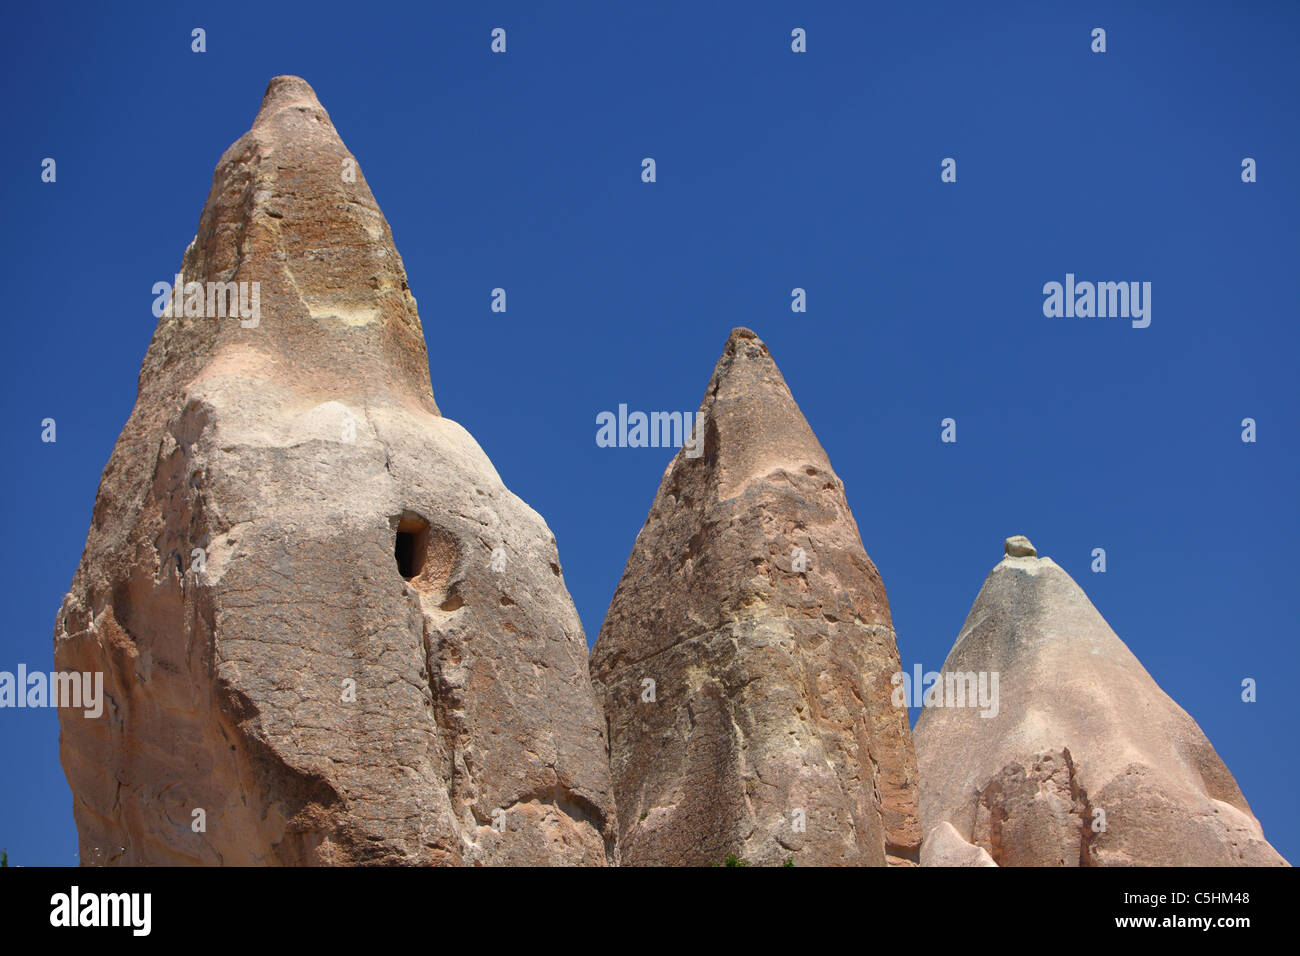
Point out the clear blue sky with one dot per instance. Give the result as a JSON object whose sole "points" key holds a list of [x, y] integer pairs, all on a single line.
{"points": [[775, 170]]}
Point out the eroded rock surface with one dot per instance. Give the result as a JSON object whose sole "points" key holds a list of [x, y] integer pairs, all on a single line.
{"points": [[323, 620], [746, 657], [1018, 546], [944, 846], [1085, 761]]}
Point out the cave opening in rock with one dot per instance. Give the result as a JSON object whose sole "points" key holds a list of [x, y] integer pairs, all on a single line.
{"points": [[412, 544]]}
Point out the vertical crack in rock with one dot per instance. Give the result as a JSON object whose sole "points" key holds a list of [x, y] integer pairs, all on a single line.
{"points": [[266, 660], [1035, 815], [771, 733], [1083, 760]]}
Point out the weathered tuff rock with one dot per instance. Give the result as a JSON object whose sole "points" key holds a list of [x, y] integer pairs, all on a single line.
{"points": [[1018, 546], [944, 846], [305, 456], [1080, 727], [771, 665]]}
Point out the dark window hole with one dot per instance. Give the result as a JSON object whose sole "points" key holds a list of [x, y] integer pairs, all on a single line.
{"points": [[412, 544]]}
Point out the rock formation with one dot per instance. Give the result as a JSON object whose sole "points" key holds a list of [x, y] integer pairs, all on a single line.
{"points": [[329, 633], [746, 658], [1085, 761]]}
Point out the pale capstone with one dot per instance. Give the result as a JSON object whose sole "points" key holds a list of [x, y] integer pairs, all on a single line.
{"points": [[1019, 547]]}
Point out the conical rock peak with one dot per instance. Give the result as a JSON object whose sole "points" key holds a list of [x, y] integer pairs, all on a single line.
{"points": [[746, 658], [321, 617], [1055, 747]]}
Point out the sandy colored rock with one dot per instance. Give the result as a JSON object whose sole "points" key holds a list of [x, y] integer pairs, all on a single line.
{"points": [[944, 846], [751, 605], [1018, 546], [1082, 736], [322, 618]]}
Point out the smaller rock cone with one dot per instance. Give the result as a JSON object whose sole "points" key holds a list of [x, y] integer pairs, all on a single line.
{"points": [[1083, 760], [746, 657]]}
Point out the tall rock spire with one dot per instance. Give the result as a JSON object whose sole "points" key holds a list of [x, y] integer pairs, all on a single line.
{"points": [[328, 632], [749, 603], [1084, 760]]}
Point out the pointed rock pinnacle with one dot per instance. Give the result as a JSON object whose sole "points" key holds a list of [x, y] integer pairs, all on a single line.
{"points": [[320, 615], [746, 659], [1055, 747]]}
